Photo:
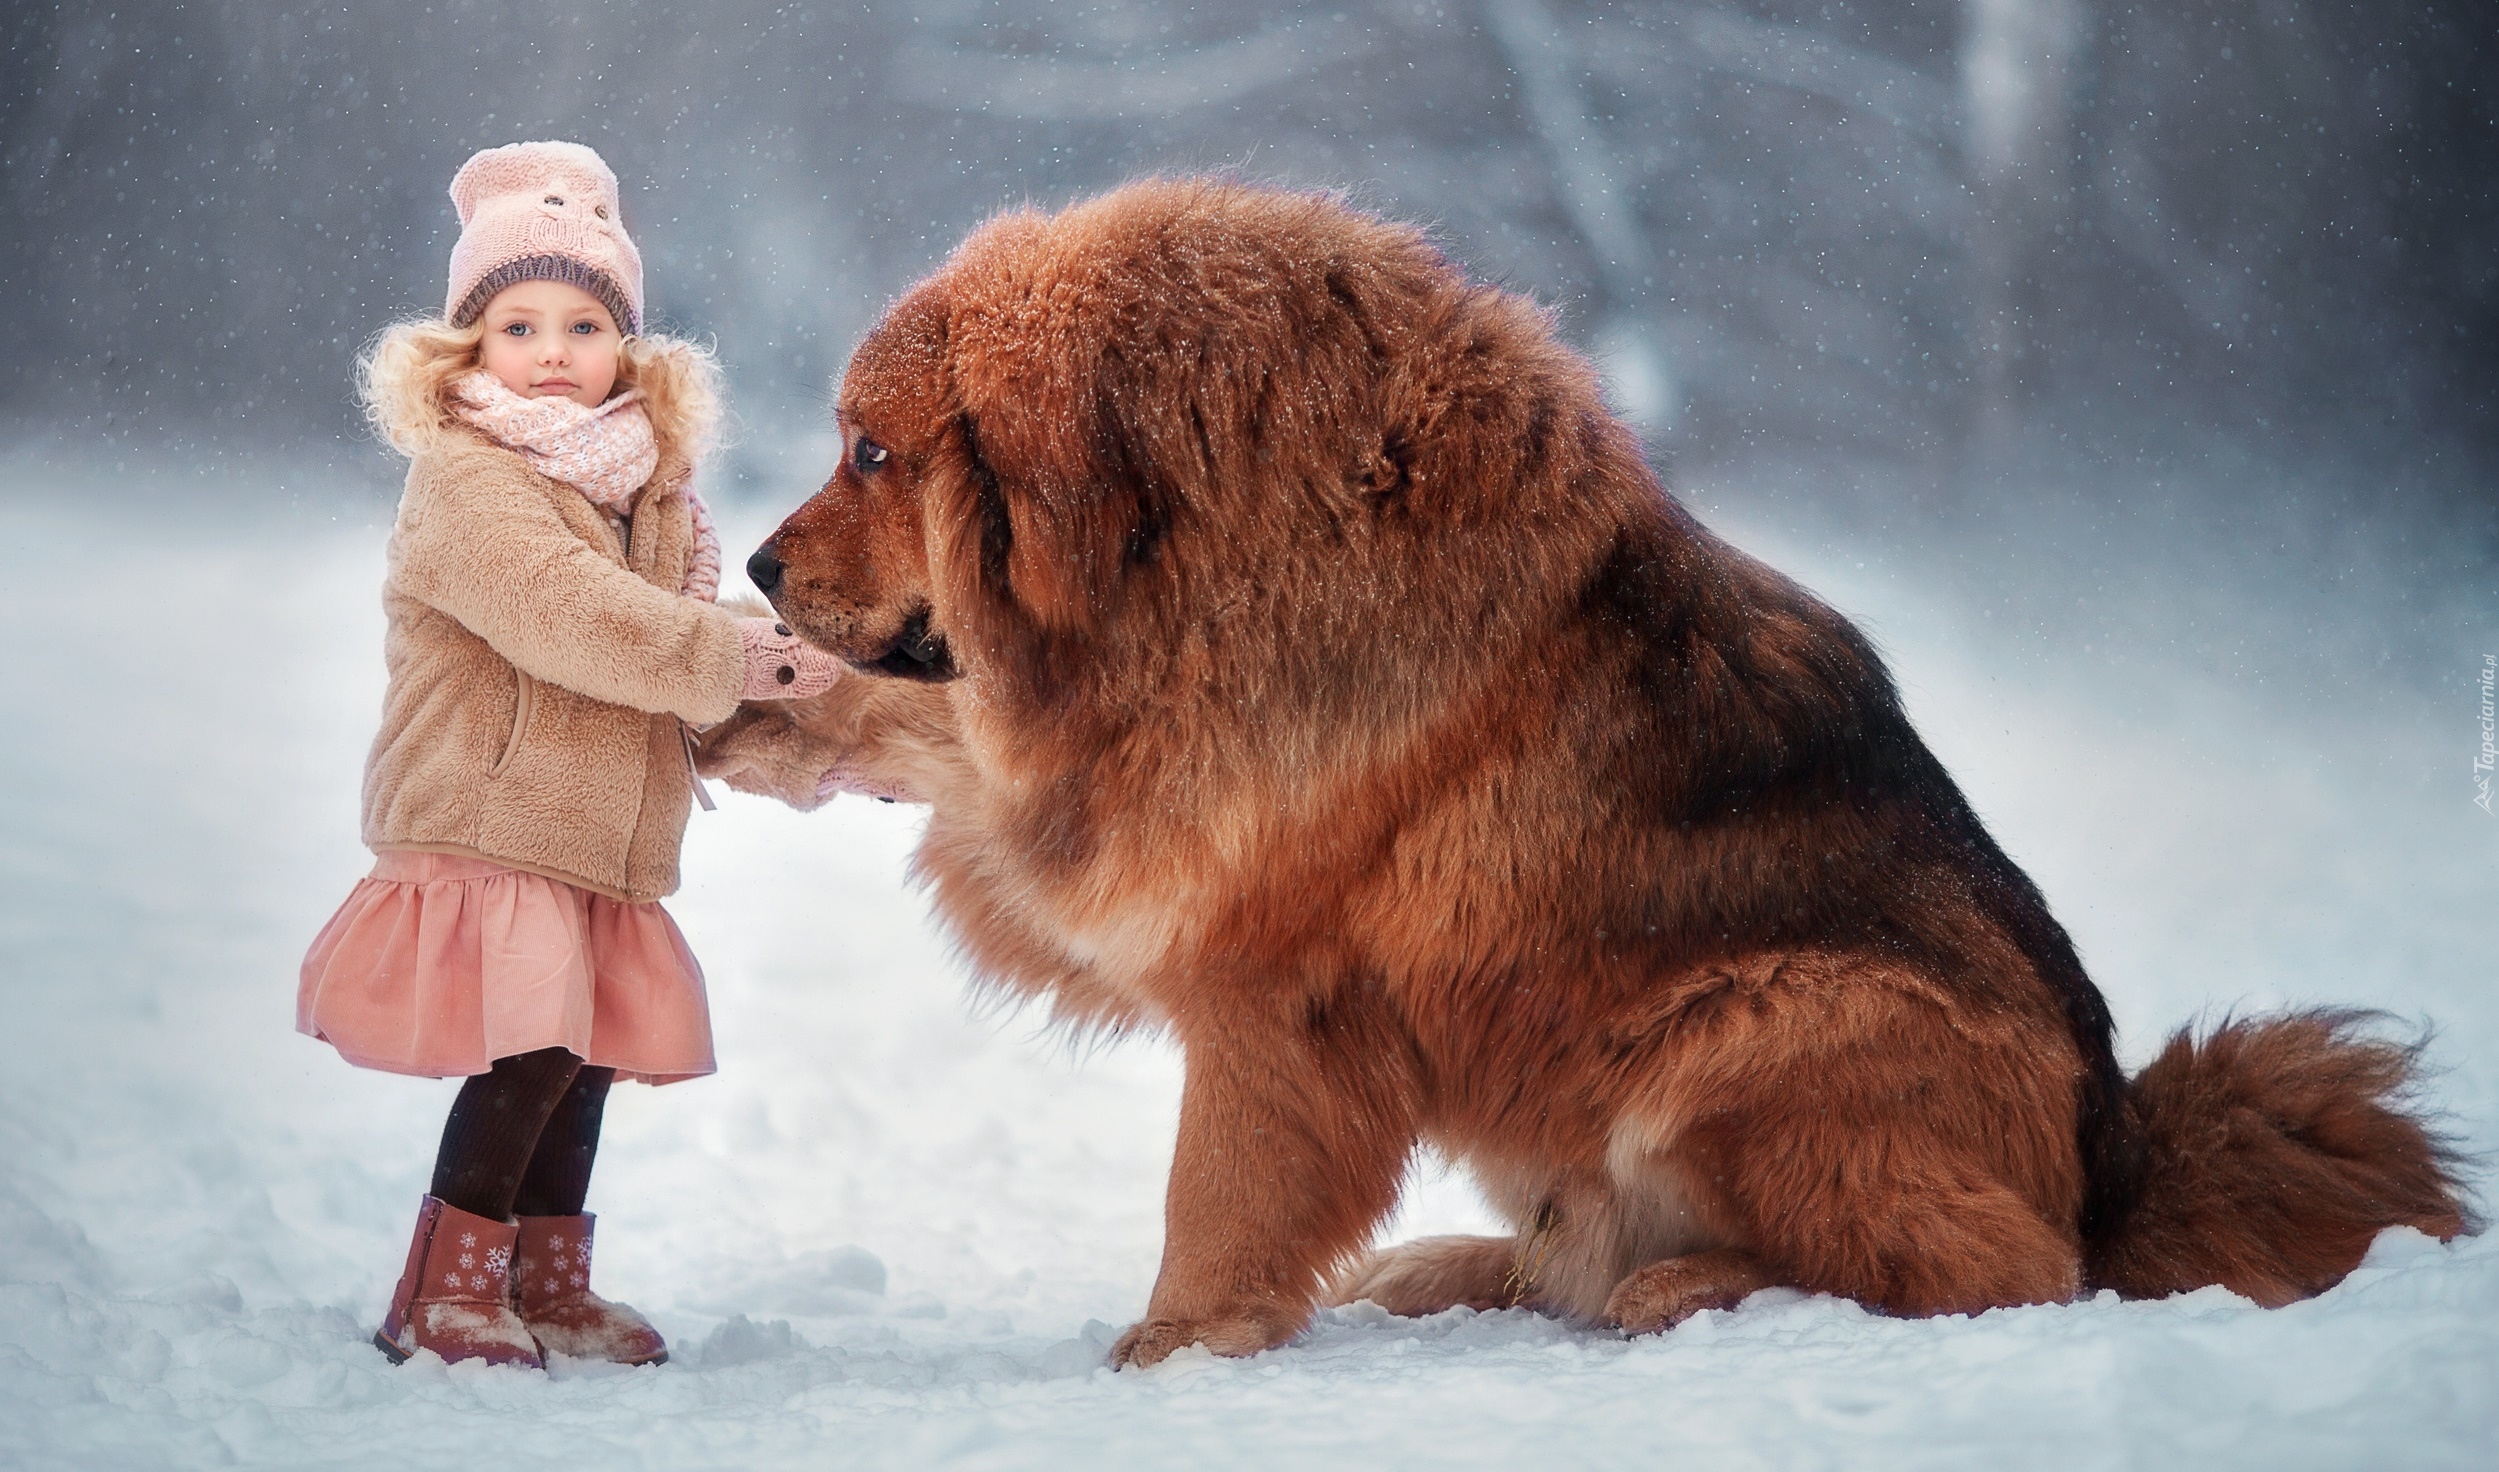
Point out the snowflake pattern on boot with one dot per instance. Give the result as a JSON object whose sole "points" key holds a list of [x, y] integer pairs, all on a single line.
{"points": [[552, 1293], [455, 1298]]}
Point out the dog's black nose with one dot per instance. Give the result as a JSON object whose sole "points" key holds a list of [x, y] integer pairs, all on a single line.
{"points": [[765, 569]]}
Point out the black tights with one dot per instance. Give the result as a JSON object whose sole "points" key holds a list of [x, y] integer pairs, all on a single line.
{"points": [[522, 1138]]}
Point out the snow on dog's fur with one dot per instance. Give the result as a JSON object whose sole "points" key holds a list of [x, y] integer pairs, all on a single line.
{"points": [[1297, 657]]}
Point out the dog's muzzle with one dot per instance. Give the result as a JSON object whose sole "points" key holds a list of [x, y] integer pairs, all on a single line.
{"points": [[917, 653]]}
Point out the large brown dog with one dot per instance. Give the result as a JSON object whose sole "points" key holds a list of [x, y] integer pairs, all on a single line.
{"points": [[1296, 656]]}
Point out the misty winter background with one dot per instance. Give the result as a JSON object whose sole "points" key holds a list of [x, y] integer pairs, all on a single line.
{"points": [[2131, 371]]}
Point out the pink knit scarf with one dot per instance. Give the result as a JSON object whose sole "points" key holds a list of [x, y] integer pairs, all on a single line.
{"points": [[607, 453]]}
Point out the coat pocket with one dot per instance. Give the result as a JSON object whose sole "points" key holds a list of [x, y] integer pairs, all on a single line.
{"points": [[524, 700]]}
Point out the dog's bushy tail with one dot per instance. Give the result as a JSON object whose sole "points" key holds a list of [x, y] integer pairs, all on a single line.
{"points": [[2272, 1152]]}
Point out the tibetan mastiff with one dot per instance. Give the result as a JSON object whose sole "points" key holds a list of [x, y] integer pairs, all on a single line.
{"points": [[1297, 657]]}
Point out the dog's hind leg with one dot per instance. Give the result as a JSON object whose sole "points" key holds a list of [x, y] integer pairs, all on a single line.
{"points": [[1864, 1134], [1839, 1127], [1669, 1291], [1430, 1274]]}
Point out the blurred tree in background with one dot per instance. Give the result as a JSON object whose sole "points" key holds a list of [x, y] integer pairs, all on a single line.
{"points": [[1904, 230]]}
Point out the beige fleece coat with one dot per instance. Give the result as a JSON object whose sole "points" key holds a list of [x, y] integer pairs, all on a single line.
{"points": [[541, 659]]}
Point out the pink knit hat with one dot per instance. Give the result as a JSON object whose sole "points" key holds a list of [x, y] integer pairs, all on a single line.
{"points": [[541, 212]]}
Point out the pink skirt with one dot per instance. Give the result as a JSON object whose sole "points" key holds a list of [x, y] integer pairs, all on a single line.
{"points": [[439, 965]]}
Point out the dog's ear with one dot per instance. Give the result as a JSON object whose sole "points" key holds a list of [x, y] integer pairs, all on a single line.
{"points": [[1059, 492], [1056, 500], [1174, 361], [971, 534]]}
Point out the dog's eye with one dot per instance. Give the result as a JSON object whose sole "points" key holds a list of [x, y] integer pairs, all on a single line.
{"points": [[870, 454]]}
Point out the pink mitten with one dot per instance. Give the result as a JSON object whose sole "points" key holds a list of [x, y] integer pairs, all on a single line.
{"points": [[780, 665]]}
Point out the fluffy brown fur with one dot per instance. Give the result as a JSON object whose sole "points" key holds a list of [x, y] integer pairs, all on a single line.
{"points": [[1296, 656], [2275, 1150]]}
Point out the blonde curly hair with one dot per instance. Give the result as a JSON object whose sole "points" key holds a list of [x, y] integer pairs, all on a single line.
{"points": [[404, 382]]}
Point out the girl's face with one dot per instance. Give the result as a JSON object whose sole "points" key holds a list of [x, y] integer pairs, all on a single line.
{"points": [[549, 340]]}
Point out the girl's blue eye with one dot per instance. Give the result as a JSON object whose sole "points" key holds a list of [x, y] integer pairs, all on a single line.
{"points": [[516, 329], [585, 328]]}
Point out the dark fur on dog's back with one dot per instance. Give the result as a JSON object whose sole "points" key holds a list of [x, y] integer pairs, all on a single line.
{"points": [[1813, 720], [1339, 691]]}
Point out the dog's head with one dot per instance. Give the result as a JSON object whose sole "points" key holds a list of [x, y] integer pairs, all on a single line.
{"points": [[850, 568], [1189, 433]]}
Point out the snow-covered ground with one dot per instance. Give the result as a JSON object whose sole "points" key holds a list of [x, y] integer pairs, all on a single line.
{"points": [[896, 1231]]}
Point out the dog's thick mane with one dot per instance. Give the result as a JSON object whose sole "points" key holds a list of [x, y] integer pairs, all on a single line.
{"points": [[1159, 408]]}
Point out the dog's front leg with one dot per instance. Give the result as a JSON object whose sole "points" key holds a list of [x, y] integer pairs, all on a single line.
{"points": [[888, 738], [1292, 1142]]}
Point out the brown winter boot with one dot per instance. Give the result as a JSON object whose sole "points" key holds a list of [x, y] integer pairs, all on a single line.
{"points": [[551, 1286], [454, 1296]]}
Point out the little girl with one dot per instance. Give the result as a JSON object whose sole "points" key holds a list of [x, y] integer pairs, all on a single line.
{"points": [[552, 636]]}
